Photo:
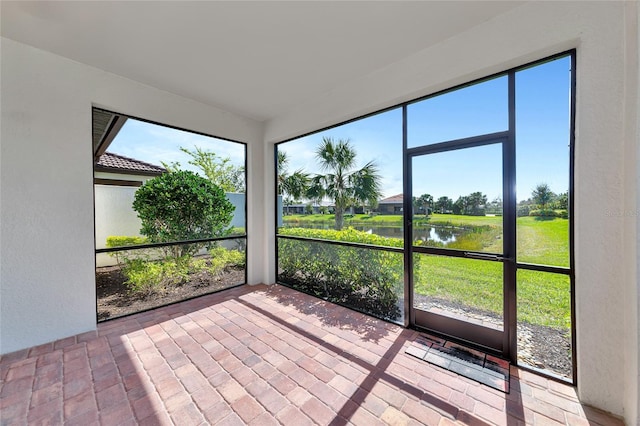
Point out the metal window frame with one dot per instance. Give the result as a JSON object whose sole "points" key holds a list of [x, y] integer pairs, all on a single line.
{"points": [[510, 213], [244, 236]]}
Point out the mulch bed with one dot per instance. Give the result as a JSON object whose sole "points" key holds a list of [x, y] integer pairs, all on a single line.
{"points": [[115, 300], [541, 347]]}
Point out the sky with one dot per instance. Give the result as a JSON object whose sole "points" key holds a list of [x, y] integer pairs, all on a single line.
{"points": [[542, 134], [156, 144]]}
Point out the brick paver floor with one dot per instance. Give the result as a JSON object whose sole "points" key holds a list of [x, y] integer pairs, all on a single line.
{"points": [[262, 355]]}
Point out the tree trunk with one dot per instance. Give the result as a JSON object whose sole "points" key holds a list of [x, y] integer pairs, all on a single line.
{"points": [[339, 218]]}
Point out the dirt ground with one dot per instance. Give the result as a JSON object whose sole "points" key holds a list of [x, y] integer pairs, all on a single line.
{"points": [[114, 299]]}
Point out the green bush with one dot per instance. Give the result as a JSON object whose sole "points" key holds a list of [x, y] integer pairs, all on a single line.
{"points": [[222, 258], [366, 279], [121, 241], [145, 276], [182, 206], [523, 210], [348, 235], [543, 213], [124, 240]]}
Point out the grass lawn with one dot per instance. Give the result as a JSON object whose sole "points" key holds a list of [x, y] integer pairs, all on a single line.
{"points": [[545, 242], [543, 298]]}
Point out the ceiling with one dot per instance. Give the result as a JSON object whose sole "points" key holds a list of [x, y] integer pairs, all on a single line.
{"points": [[258, 59]]}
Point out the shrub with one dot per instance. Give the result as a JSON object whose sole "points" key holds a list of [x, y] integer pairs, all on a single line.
{"points": [[543, 213], [182, 206], [523, 210], [222, 258], [146, 276], [123, 240], [366, 279]]}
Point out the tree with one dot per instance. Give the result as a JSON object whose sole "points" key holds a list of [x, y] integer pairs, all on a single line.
{"points": [[460, 206], [315, 190], [476, 204], [342, 184], [218, 170], [423, 203], [471, 205], [444, 204], [182, 205], [562, 201], [293, 186], [495, 206], [542, 195]]}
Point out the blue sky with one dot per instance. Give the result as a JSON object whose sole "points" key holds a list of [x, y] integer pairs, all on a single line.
{"points": [[542, 132], [154, 144]]}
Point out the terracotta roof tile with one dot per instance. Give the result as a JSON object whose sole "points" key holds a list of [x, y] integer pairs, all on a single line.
{"points": [[393, 199], [115, 162]]}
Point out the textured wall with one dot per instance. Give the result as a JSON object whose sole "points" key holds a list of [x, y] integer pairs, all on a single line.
{"points": [[47, 284]]}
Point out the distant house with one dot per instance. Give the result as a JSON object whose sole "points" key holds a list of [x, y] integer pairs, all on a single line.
{"points": [[391, 205], [300, 208]]}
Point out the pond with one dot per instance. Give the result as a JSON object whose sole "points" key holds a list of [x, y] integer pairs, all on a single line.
{"points": [[434, 233]]}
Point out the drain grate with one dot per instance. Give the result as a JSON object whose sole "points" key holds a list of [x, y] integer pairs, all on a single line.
{"points": [[470, 363]]}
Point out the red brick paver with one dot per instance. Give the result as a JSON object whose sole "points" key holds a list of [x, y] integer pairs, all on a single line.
{"points": [[261, 355]]}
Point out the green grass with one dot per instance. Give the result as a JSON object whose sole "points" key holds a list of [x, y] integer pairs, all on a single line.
{"points": [[465, 281], [545, 242], [543, 298]]}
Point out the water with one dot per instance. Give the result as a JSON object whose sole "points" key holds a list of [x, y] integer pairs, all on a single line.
{"points": [[440, 234]]}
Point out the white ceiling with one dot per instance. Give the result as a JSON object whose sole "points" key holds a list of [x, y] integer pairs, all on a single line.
{"points": [[258, 59]]}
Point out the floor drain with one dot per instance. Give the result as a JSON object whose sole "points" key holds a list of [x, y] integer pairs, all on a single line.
{"points": [[467, 362]]}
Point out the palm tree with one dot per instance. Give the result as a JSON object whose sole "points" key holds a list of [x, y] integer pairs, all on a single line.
{"points": [[425, 201], [342, 184], [294, 185]]}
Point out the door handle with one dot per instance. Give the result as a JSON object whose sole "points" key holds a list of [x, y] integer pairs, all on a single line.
{"points": [[483, 256]]}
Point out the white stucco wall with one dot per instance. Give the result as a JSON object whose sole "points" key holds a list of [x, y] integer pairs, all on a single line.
{"points": [[47, 284], [632, 224], [114, 216], [606, 284]]}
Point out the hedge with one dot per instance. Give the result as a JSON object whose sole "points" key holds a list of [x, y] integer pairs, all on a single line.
{"points": [[365, 279]]}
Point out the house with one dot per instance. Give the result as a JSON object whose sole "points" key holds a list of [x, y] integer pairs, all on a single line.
{"points": [[263, 73], [118, 170], [391, 205]]}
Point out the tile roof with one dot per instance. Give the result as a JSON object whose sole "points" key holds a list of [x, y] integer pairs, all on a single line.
{"points": [[394, 199], [110, 162]]}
